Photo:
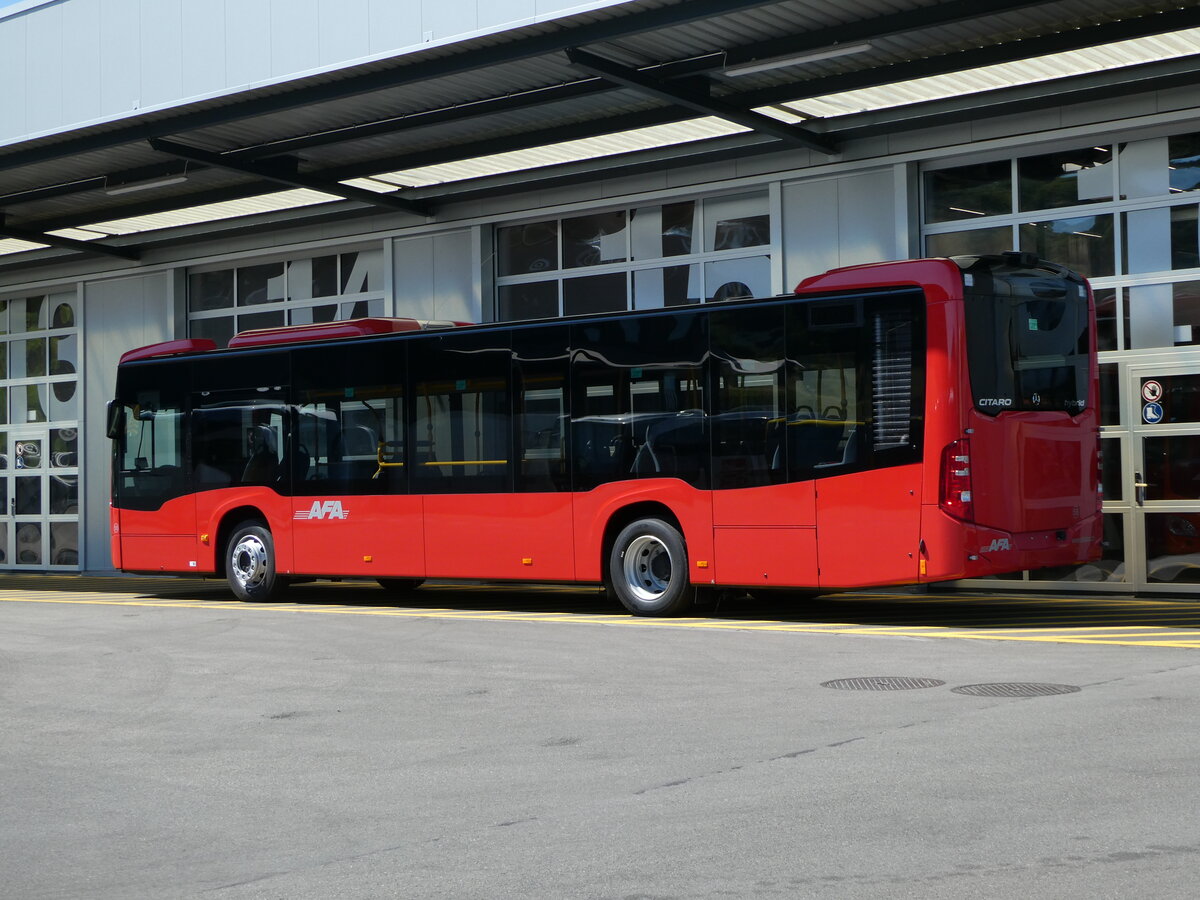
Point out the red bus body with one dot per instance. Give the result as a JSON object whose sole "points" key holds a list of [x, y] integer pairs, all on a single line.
{"points": [[1030, 476]]}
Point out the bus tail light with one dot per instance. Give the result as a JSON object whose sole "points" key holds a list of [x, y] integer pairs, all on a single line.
{"points": [[954, 493]]}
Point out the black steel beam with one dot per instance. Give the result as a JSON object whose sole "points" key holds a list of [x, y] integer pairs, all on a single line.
{"points": [[678, 94], [112, 181], [878, 27], [284, 172], [53, 240]]}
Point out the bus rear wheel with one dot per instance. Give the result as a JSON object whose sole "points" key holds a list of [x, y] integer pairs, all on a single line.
{"points": [[250, 564], [647, 569]]}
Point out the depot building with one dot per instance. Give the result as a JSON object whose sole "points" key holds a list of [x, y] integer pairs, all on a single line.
{"points": [[192, 168]]}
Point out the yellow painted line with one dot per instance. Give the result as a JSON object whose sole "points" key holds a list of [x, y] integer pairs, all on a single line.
{"points": [[1153, 637]]}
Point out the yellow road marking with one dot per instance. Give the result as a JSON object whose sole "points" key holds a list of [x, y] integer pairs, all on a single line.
{"points": [[1156, 633]]}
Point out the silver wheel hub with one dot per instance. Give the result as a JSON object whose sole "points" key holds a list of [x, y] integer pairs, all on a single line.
{"points": [[647, 568], [248, 561]]}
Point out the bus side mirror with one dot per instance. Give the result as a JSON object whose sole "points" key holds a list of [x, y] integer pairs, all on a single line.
{"points": [[116, 419]]}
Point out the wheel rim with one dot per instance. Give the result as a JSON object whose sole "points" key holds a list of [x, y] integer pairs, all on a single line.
{"points": [[248, 561], [647, 568]]}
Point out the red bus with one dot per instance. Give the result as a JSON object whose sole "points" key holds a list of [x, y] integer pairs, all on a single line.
{"points": [[889, 424]]}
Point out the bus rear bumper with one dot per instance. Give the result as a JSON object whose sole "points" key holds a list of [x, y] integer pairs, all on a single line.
{"points": [[973, 551]]}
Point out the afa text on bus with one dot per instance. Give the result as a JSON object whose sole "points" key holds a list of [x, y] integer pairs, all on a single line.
{"points": [[897, 423]]}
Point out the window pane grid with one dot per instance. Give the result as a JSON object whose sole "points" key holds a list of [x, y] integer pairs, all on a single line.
{"points": [[301, 291], [1123, 214], [676, 253]]}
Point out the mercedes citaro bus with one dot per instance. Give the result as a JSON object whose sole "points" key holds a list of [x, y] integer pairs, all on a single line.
{"points": [[888, 424]]}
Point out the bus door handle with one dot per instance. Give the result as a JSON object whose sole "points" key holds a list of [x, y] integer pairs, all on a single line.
{"points": [[1139, 488]]}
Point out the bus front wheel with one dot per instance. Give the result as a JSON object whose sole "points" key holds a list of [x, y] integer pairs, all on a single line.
{"points": [[250, 564], [647, 569]]}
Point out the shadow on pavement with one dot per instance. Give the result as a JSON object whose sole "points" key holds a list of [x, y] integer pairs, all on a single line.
{"points": [[899, 607]]}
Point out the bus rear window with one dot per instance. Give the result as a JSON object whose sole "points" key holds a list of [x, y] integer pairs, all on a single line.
{"points": [[1027, 336]]}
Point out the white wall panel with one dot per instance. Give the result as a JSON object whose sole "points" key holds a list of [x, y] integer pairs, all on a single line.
{"points": [[43, 91], [293, 35], [434, 278], [161, 36], [866, 218], [393, 24], [81, 58], [838, 222], [202, 58], [343, 32], [120, 43], [504, 12], [247, 41], [448, 17], [12, 77]]}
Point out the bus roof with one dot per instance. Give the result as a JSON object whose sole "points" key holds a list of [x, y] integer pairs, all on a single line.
{"points": [[288, 334]]}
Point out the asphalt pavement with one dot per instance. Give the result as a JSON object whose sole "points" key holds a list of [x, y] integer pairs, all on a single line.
{"points": [[161, 740]]}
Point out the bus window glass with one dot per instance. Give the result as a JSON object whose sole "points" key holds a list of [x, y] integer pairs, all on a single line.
{"points": [[149, 449], [824, 414], [350, 444], [350, 421], [748, 421], [462, 440], [540, 398], [639, 405], [237, 442], [1027, 339]]}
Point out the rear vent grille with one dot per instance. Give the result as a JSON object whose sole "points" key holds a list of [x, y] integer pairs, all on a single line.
{"points": [[893, 379]]}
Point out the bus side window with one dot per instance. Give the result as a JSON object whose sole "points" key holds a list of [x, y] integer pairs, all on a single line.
{"points": [[150, 453], [350, 435], [749, 431], [352, 443], [825, 407], [639, 403], [463, 416], [236, 443], [540, 407]]}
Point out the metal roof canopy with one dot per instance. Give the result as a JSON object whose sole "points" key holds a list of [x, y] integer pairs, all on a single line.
{"points": [[632, 66]]}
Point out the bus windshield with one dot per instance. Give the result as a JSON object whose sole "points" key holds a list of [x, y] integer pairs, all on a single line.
{"points": [[1027, 335]]}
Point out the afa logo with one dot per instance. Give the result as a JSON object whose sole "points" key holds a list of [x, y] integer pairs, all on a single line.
{"points": [[996, 545], [327, 509]]}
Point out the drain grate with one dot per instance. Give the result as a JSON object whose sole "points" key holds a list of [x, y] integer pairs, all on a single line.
{"points": [[882, 683], [1015, 689]]}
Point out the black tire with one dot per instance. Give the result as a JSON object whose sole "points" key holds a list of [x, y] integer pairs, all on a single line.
{"points": [[250, 564], [648, 570], [400, 585]]}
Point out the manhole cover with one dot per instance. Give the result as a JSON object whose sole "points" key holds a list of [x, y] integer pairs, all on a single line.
{"points": [[882, 683], [1015, 689]]}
